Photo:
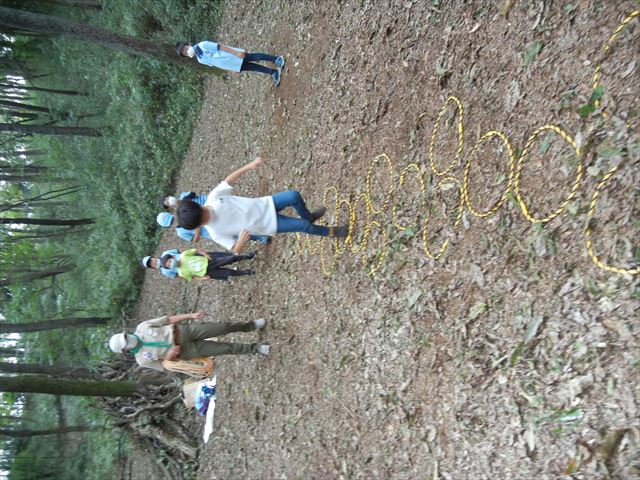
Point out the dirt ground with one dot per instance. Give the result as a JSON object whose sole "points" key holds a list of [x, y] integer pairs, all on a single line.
{"points": [[513, 356]]}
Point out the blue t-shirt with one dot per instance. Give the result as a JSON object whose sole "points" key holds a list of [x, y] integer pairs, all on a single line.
{"points": [[188, 235], [171, 272], [209, 53], [199, 199]]}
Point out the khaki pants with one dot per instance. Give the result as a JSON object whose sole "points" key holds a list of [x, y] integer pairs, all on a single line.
{"points": [[193, 341]]}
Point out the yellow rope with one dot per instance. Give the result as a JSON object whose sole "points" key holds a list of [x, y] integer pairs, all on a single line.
{"points": [[597, 75], [330, 250]]}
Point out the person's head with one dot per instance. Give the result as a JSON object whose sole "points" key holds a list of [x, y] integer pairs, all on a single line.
{"points": [[122, 342], [164, 219], [150, 262], [168, 261], [185, 49], [189, 214], [168, 202]]}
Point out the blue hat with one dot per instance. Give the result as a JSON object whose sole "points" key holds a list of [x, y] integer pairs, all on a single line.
{"points": [[164, 219]]}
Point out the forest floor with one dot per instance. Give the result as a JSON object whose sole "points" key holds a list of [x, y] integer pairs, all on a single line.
{"points": [[513, 355]]}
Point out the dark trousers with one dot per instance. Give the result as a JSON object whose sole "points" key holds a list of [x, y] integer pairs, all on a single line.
{"points": [[248, 66], [193, 341], [220, 259]]}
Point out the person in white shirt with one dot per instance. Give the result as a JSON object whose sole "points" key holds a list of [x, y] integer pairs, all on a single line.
{"points": [[231, 220], [176, 338]]}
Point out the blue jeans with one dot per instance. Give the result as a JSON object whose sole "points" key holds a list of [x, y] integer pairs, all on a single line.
{"points": [[248, 64], [292, 198]]}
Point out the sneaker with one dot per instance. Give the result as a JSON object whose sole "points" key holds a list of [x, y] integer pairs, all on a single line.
{"points": [[263, 349], [316, 214], [276, 78], [341, 232], [260, 323], [279, 61], [263, 239], [248, 255]]}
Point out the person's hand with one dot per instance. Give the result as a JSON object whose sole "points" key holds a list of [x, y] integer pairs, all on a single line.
{"points": [[198, 315], [244, 236], [257, 162], [174, 353], [242, 54]]}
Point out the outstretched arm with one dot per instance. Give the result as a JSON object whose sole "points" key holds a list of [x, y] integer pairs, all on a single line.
{"points": [[243, 238], [233, 177], [187, 316]]}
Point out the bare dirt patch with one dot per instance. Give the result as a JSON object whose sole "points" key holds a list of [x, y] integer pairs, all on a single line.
{"points": [[512, 356]]}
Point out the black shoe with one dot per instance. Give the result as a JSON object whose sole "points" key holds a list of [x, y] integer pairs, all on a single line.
{"points": [[248, 255], [316, 214], [341, 232]]}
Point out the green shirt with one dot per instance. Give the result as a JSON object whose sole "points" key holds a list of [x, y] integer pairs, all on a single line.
{"points": [[192, 264]]}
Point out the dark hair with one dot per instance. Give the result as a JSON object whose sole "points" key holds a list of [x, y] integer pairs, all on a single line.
{"points": [[164, 259], [189, 214], [147, 263], [189, 196], [161, 200], [179, 47]]}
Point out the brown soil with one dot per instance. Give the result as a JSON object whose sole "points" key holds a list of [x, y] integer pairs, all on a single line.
{"points": [[513, 356]]}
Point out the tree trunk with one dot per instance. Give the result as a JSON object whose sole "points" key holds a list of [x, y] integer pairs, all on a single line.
{"points": [[56, 386], [49, 129], [45, 221], [53, 324], [48, 24], [10, 351], [19, 86], [25, 106], [27, 153], [52, 431], [71, 3], [57, 371], [30, 276]]}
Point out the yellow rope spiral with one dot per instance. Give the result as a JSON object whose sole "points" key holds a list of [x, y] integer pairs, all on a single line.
{"points": [[356, 242]]}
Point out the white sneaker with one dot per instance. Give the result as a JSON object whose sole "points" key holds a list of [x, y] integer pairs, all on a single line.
{"points": [[259, 323], [263, 349]]}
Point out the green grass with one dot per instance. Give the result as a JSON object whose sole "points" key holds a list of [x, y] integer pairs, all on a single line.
{"points": [[146, 111]]}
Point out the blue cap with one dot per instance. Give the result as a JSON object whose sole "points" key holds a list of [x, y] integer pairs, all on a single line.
{"points": [[164, 219]]}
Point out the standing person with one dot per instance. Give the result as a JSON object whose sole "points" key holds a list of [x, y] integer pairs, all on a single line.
{"points": [[169, 202], [231, 220], [233, 59], [154, 262], [165, 220], [195, 264], [176, 338]]}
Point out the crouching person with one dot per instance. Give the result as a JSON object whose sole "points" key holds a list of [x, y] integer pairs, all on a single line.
{"points": [[173, 338]]}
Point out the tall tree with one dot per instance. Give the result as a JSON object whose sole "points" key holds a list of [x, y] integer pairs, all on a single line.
{"points": [[49, 129], [59, 371], [15, 278], [23, 433], [48, 24], [71, 3], [56, 386], [10, 351], [74, 322], [45, 221]]}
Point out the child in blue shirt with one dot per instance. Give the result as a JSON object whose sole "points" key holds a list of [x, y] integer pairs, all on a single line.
{"points": [[231, 58], [165, 220], [153, 262], [169, 202]]}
